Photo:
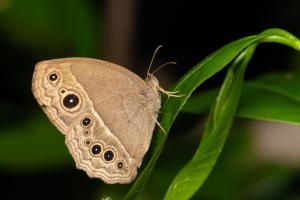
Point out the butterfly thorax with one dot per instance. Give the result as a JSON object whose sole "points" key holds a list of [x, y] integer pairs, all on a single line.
{"points": [[152, 82]]}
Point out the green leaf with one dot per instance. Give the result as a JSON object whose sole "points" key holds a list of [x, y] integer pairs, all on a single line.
{"points": [[192, 176], [195, 77], [273, 97]]}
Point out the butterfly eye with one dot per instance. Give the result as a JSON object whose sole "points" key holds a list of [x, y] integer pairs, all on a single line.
{"points": [[96, 149], [109, 155], [86, 121], [70, 101]]}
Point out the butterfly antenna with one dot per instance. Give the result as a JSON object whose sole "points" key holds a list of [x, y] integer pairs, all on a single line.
{"points": [[156, 50], [163, 65]]}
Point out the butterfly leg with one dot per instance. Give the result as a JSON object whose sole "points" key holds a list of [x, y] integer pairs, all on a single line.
{"points": [[169, 93], [160, 126]]}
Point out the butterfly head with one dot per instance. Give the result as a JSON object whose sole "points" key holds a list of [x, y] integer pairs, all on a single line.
{"points": [[152, 81]]}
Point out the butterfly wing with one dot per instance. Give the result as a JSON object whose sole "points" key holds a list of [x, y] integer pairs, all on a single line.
{"points": [[121, 107]]}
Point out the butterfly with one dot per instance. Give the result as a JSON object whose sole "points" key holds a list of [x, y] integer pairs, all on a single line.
{"points": [[106, 112]]}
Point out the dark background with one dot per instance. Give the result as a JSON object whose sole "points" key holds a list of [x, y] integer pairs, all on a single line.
{"points": [[127, 33]]}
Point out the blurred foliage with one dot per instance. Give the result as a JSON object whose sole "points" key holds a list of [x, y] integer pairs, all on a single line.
{"points": [[51, 25], [34, 144]]}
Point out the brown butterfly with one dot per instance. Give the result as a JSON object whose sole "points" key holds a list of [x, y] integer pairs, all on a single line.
{"points": [[106, 112]]}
